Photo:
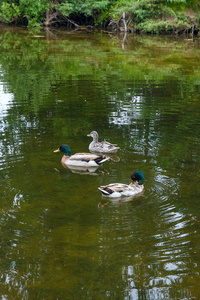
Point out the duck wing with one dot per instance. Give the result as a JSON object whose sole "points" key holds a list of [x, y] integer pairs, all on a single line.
{"points": [[108, 145], [83, 156], [113, 188], [88, 157]]}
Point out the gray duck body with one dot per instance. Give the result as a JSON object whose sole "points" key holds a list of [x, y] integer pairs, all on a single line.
{"points": [[102, 147]]}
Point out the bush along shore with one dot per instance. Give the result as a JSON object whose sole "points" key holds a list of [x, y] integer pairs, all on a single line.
{"points": [[146, 16]]}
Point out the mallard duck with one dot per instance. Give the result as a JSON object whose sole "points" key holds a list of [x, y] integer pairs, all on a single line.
{"points": [[116, 190], [103, 147], [80, 159]]}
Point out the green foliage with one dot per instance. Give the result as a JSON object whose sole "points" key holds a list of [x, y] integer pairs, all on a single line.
{"points": [[9, 11], [87, 8], [150, 16], [137, 10], [158, 16], [163, 26], [33, 11]]}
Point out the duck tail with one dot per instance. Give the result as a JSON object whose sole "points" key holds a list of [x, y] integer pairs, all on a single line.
{"points": [[105, 190], [101, 159]]}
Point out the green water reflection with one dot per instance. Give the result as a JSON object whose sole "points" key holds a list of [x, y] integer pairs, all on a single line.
{"points": [[59, 238]]}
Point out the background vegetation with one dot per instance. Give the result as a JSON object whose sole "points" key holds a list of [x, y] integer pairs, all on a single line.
{"points": [[150, 16]]}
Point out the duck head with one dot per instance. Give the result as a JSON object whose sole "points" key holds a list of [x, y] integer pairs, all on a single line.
{"points": [[138, 176], [65, 149], [94, 135]]}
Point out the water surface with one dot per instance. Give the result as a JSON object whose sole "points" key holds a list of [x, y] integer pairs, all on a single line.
{"points": [[59, 238]]}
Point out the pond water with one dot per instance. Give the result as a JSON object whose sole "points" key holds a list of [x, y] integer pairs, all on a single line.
{"points": [[59, 238]]}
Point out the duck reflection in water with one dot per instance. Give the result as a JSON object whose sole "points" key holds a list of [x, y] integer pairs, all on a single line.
{"points": [[134, 200], [82, 170]]}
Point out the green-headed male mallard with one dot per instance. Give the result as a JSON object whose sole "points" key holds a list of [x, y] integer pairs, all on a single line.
{"points": [[116, 190], [80, 159]]}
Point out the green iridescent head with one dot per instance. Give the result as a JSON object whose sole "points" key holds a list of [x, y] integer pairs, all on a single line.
{"points": [[65, 149], [138, 176]]}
